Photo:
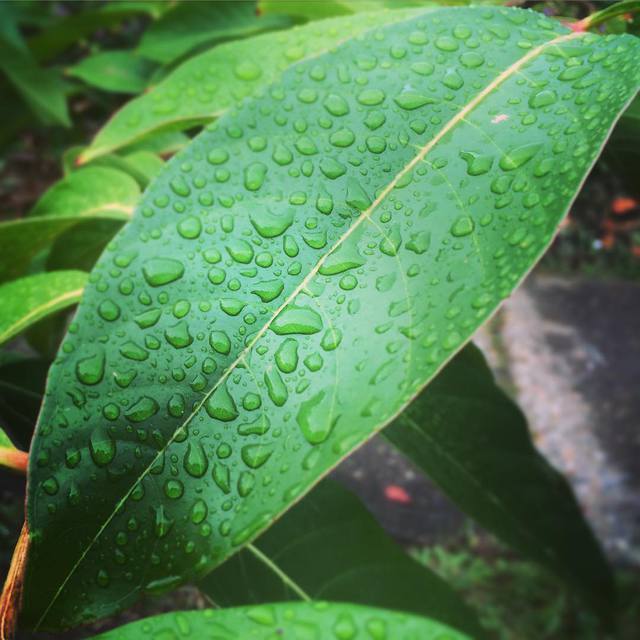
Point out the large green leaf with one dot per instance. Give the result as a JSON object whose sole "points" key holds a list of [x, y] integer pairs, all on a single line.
{"points": [[25, 301], [293, 279], [329, 547], [473, 441], [21, 240], [119, 71], [294, 620], [204, 87], [92, 191], [191, 24]]}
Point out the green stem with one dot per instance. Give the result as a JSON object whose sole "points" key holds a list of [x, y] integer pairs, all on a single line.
{"points": [[599, 17], [14, 459]]}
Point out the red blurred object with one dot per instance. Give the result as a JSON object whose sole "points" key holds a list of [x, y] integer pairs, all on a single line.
{"points": [[397, 494], [620, 206]]}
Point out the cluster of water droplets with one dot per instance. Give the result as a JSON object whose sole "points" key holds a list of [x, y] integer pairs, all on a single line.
{"points": [[294, 278], [316, 621]]}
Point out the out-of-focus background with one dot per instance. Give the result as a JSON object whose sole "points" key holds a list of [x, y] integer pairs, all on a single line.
{"points": [[566, 345]]}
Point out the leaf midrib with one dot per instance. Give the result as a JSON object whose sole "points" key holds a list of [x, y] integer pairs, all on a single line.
{"points": [[453, 122]]}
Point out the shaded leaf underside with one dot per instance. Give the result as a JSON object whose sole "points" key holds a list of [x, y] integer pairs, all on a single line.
{"points": [[292, 280]]}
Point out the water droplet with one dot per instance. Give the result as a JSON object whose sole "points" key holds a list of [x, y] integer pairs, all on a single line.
{"points": [[190, 228], [411, 100], [297, 319], [159, 271], [276, 387], [178, 335], [315, 418], [336, 105], [270, 225], [462, 226], [519, 156], [268, 290], [195, 460], [90, 370], [144, 408], [371, 97], [173, 489], [102, 446], [254, 175], [220, 405], [477, 163], [255, 455], [287, 356]]}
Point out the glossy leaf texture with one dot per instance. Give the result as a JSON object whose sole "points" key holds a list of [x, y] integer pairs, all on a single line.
{"points": [[27, 300], [329, 547], [191, 24], [293, 279], [473, 442], [204, 87], [298, 621], [118, 71], [91, 191], [21, 240]]}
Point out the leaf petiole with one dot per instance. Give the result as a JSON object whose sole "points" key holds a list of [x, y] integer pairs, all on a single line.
{"points": [[600, 17], [14, 459]]}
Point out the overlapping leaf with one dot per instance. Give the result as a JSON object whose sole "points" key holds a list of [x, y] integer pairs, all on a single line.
{"points": [[288, 620], [188, 25], [292, 280], [330, 547], [204, 87], [25, 301], [472, 440]]}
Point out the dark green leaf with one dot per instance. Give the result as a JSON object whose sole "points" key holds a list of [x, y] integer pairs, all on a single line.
{"points": [[330, 547], [42, 89], [192, 24], [80, 246], [119, 71], [473, 441], [25, 301], [22, 381], [294, 279], [21, 240], [296, 620]]}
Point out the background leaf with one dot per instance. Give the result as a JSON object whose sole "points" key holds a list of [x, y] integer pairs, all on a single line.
{"points": [[294, 620], [191, 24], [472, 440], [329, 547], [21, 240], [92, 191], [204, 87], [25, 301], [22, 381], [346, 242], [119, 71]]}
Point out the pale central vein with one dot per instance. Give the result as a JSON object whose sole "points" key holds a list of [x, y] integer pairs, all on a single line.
{"points": [[493, 85]]}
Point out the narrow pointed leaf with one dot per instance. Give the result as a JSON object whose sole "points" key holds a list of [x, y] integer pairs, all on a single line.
{"points": [[91, 191], [287, 620], [25, 301], [293, 279], [473, 441], [232, 71], [330, 547], [21, 240], [192, 24]]}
